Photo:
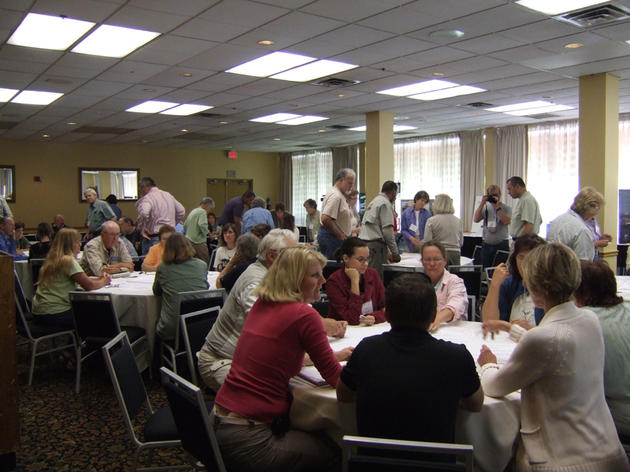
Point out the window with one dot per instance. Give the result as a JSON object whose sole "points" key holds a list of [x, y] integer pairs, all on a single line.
{"points": [[312, 178], [123, 183], [552, 167], [7, 183], [624, 152], [429, 163]]}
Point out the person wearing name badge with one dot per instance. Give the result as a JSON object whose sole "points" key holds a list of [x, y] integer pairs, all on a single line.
{"points": [[355, 291], [312, 220], [495, 217], [413, 221]]}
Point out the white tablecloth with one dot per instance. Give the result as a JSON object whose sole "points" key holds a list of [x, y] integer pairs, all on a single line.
{"points": [[25, 276], [623, 286], [135, 303], [492, 432]]}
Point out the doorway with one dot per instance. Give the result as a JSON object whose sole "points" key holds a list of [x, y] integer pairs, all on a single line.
{"points": [[221, 190]]}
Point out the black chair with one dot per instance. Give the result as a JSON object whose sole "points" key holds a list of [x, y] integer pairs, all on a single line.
{"points": [[34, 333], [213, 255], [476, 255], [189, 302], [322, 307], [96, 323], [362, 461], [36, 265], [500, 257], [330, 267], [137, 263], [471, 275], [193, 421], [194, 328], [160, 429]]}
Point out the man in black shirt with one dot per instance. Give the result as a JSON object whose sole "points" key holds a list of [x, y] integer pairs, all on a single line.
{"points": [[407, 384]]}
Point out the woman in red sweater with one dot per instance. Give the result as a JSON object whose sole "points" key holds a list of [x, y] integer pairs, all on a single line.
{"points": [[252, 406], [355, 292]]}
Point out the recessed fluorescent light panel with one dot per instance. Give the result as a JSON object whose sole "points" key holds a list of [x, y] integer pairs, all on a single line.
{"points": [[397, 128], [186, 109], [275, 118], [556, 7], [151, 106], [114, 41], [314, 70], [6, 94], [49, 32], [530, 108], [302, 120], [420, 87], [448, 92], [270, 64], [33, 97]]}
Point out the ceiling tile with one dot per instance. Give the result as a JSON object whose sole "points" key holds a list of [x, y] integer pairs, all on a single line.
{"points": [[232, 13], [403, 19], [131, 72], [354, 36], [349, 10], [150, 20], [540, 31], [89, 10], [170, 49], [487, 43], [181, 7], [389, 48], [174, 77]]}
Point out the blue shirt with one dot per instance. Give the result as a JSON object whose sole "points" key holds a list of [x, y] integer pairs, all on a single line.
{"points": [[9, 245], [408, 219], [256, 216]]}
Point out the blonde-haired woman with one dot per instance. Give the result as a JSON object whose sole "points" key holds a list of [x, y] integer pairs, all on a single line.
{"points": [[180, 271], [58, 277], [571, 228], [558, 365], [253, 404], [445, 228]]}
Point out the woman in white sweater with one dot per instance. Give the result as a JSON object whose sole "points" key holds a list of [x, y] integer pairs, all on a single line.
{"points": [[558, 365]]}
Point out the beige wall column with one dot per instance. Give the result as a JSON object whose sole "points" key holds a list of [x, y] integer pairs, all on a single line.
{"points": [[599, 149], [379, 151]]}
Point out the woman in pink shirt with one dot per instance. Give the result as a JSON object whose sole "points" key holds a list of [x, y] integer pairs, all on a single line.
{"points": [[252, 406], [449, 289]]}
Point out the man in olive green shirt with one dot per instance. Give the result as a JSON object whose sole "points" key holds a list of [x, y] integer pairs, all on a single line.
{"points": [[196, 228]]}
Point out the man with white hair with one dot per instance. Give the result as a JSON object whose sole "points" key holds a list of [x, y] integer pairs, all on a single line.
{"points": [[106, 253], [215, 357], [98, 213], [196, 228], [336, 216], [8, 244]]}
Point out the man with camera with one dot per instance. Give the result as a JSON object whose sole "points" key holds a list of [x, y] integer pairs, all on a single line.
{"points": [[496, 217]]}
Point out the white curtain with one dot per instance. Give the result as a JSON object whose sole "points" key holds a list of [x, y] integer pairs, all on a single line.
{"points": [[430, 163], [472, 182], [511, 158], [553, 168], [312, 176], [130, 184], [116, 184]]}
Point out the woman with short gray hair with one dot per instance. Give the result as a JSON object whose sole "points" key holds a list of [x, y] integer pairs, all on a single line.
{"points": [[445, 228]]}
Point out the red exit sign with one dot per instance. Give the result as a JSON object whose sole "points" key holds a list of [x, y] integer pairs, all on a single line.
{"points": [[232, 155]]}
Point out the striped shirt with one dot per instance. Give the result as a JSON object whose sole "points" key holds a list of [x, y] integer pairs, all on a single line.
{"points": [[158, 208]]}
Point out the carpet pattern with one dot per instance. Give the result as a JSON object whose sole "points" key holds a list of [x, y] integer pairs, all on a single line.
{"points": [[62, 431]]}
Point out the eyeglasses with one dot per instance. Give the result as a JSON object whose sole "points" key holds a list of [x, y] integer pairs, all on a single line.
{"points": [[362, 260], [116, 235], [432, 261]]}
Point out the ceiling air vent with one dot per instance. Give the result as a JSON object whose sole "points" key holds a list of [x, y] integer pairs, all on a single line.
{"points": [[308, 145], [208, 115], [479, 105], [544, 116], [102, 130], [338, 127], [335, 82], [200, 137], [594, 16]]}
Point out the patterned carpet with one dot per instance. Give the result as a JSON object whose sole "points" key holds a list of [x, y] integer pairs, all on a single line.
{"points": [[62, 431]]}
